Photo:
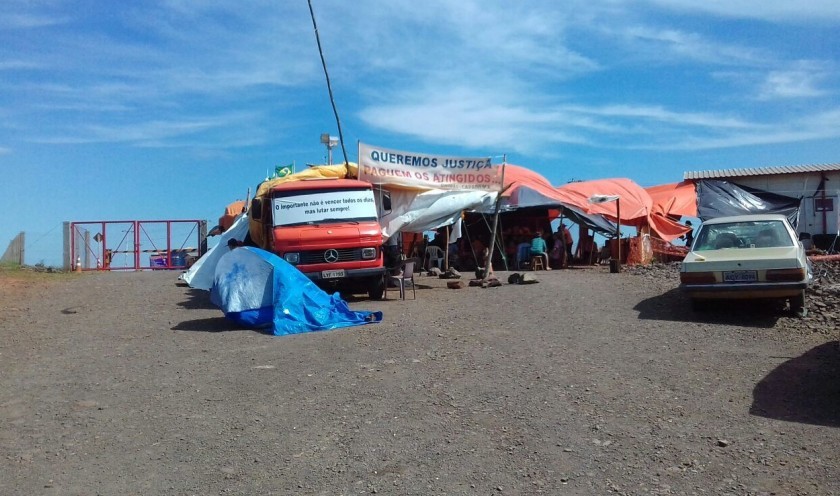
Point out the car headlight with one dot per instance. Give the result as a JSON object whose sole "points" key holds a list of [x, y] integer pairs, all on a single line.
{"points": [[368, 253], [292, 258], [697, 277]]}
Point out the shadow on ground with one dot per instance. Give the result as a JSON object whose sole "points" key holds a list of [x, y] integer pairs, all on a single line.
{"points": [[805, 389], [674, 306], [196, 299], [213, 324], [393, 294]]}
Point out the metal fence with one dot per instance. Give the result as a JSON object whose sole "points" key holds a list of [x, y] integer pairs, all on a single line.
{"points": [[134, 244], [16, 250]]}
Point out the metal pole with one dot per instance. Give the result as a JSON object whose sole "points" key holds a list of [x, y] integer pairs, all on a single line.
{"points": [[446, 251], [495, 223], [618, 230]]}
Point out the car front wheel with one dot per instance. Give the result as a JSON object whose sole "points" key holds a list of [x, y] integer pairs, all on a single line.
{"points": [[797, 305]]}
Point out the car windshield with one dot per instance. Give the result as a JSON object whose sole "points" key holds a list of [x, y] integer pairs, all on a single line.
{"points": [[748, 234]]}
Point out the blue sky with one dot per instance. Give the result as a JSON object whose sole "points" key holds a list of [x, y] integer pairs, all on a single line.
{"points": [[172, 109]]}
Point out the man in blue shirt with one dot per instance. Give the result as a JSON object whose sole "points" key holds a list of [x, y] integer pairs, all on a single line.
{"points": [[539, 248]]}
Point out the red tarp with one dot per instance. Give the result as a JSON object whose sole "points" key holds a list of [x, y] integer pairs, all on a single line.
{"points": [[635, 202], [674, 199], [637, 207], [517, 177]]}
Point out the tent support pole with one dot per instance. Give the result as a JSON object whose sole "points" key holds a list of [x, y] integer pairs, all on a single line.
{"points": [[489, 267], [446, 251]]}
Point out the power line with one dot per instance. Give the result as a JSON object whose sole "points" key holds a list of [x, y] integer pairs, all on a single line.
{"points": [[327, 76]]}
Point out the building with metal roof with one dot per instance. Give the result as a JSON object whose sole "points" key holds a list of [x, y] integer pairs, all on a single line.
{"points": [[760, 171], [817, 186]]}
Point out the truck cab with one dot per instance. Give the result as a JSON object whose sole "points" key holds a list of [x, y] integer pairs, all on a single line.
{"points": [[327, 228]]}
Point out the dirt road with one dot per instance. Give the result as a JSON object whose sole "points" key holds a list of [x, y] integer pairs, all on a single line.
{"points": [[586, 383]]}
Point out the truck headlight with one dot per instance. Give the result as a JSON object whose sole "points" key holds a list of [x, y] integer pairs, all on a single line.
{"points": [[368, 253], [292, 258]]}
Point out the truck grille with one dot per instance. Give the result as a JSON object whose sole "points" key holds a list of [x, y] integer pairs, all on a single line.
{"points": [[318, 256]]}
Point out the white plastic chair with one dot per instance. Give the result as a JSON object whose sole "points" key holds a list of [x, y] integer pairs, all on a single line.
{"points": [[434, 254], [406, 277]]}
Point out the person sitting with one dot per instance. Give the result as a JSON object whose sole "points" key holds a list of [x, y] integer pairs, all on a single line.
{"points": [[539, 248]]}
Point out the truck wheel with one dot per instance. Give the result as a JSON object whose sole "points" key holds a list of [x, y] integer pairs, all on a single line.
{"points": [[797, 305], [376, 288]]}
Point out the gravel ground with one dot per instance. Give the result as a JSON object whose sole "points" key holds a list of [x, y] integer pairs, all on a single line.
{"points": [[586, 383]]}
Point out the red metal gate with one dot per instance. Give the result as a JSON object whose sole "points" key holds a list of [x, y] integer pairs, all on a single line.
{"points": [[136, 244]]}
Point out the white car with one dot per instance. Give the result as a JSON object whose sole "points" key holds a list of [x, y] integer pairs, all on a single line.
{"points": [[747, 257]]}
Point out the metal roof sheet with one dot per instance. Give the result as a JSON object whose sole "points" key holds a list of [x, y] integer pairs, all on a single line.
{"points": [[760, 171]]}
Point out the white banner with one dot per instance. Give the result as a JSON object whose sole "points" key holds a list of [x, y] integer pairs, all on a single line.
{"points": [[334, 206], [417, 170]]}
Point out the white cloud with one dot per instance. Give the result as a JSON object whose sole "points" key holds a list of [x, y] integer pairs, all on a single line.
{"points": [[29, 21], [487, 74], [11, 65], [668, 45], [796, 83], [152, 133], [811, 10], [668, 117], [5, 150], [472, 117]]}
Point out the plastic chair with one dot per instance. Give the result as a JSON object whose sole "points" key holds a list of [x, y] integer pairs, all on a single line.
{"points": [[434, 254], [406, 276], [523, 255]]}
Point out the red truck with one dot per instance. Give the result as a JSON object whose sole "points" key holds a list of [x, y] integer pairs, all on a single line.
{"points": [[327, 228]]}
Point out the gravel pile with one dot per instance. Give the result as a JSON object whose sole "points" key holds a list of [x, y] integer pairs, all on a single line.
{"points": [[823, 296]]}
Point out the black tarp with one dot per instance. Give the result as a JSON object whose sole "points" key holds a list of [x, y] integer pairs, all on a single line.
{"points": [[716, 198], [529, 198], [595, 222]]}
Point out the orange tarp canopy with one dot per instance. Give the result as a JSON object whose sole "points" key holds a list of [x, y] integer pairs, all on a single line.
{"points": [[637, 207], [635, 202], [674, 199]]}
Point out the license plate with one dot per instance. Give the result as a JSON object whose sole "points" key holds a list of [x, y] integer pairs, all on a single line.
{"points": [[740, 276], [332, 274]]}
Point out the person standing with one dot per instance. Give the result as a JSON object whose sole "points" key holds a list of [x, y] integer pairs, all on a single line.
{"points": [[689, 236], [558, 251], [567, 238]]}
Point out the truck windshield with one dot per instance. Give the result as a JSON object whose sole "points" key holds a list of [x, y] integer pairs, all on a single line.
{"points": [[297, 208]]}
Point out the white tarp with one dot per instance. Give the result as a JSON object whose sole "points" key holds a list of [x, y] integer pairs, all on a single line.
{"points": [[413, 211], [200, 275], [384, 166]]}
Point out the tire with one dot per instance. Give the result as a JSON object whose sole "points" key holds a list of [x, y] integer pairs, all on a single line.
{"points": [[376, 288], [797, 305]]}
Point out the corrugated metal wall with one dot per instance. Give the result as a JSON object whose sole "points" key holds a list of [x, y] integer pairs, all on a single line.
{"points": [[16, 250]]}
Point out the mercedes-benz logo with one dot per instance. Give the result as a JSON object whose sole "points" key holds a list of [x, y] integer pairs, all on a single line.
{"points": [[331, 255]]}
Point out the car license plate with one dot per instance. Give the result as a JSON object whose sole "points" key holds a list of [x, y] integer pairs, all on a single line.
{"points": [[740, 276], [332, 274]]}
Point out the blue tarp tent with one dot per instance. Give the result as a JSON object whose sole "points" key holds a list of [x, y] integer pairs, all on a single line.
{"points": [[258, 289]]}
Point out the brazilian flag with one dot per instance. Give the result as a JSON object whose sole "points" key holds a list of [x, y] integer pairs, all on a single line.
{"points": [[284, 170]]}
